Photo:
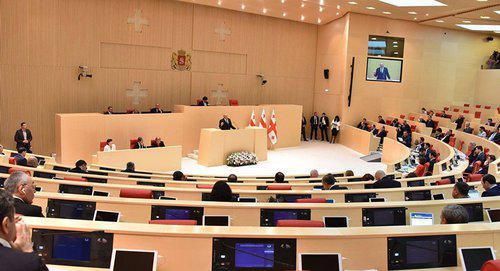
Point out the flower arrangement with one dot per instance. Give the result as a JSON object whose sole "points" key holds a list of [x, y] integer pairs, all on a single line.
{"points": [[242, 158]]}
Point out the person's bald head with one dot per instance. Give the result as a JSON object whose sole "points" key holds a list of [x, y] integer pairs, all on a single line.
{"points": [[379, 174], [314, 174]]}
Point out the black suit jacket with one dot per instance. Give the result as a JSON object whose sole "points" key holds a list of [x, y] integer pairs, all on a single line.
{"points": [[304, 122], [468, 130], [20, 160], [156, 110], [18, 137], [154, 145], [494, 191], [201, 103], [27, 209], [223, 125], [138, 145], [13, 260], [311, 121], [327, 121], [78, 170], [386, 182]]}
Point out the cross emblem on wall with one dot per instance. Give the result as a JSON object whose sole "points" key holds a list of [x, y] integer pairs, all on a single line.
{"points": [[223, 31], [137, 93], [138, 21], [220, 95]]}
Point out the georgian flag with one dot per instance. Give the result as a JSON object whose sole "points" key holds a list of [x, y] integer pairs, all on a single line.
{"points": [[253, 122], [263, 123], [272, 132]]}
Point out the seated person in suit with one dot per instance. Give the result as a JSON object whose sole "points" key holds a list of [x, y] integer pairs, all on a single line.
{"points": [[405, 139], [279, 177], [439, 134], [406, 127], [139, 144], [32, 162], [427, 151], [420, 144], [16, 248], [130, 167], [429, 122], [157, 143], [373, 129], [447, 136], [367, 177], [80, 167], [329, 181], [477, 155], [382, 134], [490, 186], [460, 190], [468, 129], [156, 109], [482, 132], [432, 161], [395, 123], [490, 122], [109, 145], [226, 124], [1, 150], [109, 111], [203, 102], [22, 188], [20, 157], [486, 164], [381, 120], [495, 136], [423, 110], [232, 178], [384, 181], [221, 192], [454, 214], [178, 176], [460, 122], [349, 173], [313, 173], [363, 125]]}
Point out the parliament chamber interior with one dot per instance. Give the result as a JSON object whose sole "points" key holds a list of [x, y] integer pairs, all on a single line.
{"points": [[249, 135]]}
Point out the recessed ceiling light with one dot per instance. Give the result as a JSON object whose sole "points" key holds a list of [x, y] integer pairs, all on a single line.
{"points": [[396, 53], [480, 27], [415, 18], [338, 6], [497, 11], [413, 3], [326, 90], [338, 13], [412, 12], [482, 0], [219, 2], [439, 21], [302, 4], [374, 38], [352, 3], [485, 17], [302, 17], [370, 8], [395, 46], [427, 14], [282, 1], [395, 42], [387, 12], [319, 20], [321, 9], [322, 2], [264, 10], [284, 14], [243, 6], [467, 22]]}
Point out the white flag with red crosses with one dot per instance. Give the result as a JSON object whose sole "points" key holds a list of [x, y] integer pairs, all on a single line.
{"points": [[253, 122], [262, 123], [272, 132]]}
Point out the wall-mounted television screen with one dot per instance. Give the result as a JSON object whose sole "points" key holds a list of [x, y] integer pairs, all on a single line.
{"points": [[386, 46], [384, 69]]}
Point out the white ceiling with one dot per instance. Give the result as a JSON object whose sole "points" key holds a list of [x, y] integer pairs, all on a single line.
{"points": [[308, 11]]}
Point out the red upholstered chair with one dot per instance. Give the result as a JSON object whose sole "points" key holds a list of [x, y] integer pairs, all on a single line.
{"points": [[466, 111], [473, 178], [402, 116], [132, 143], [426, 167], [152, 142], [75, 179], [420, 170], [198, 101], [388, 122], [136, 193], [436, 124], [460, 145], [486, 151], [455, 110], [487, 107], [491, 265], [233, 102], [102, 145], [478, 106], [446, 109], [466, 105], [185, 222], [413, 127], [498, 110], [313, 200], [279, 187], [438, 114], [301, 223], [452, 141], [12, 161], [13, 169], [204, 186], [477, 115], [412, 118], [443, 182]]}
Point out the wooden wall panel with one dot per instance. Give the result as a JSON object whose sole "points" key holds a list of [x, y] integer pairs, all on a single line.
{"points": [[42, 43]]}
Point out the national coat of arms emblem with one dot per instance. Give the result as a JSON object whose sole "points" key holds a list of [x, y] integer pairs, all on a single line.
{"points": [[181, 61]]}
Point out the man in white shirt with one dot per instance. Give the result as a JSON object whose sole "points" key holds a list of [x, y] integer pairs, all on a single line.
{"points": [[109, 145], [482, 132]]}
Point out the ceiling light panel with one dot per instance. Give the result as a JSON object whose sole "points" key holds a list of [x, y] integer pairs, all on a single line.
{"points": [[414, 3]]}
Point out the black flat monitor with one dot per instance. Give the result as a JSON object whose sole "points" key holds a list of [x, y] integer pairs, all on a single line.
{"points": [[443, 167], [216, 220], [270, 217], [208, 196], [87, 249], [70, 209], [336, 221], [151, 184], [320, 262], [397, 166], [107, 169], [96, 180], [473, 258], [419, 252], [59, 168], [493, 215], [134, 260], [240, 199], [415, 183], [384, 216], [75, 189], [418, 195], [45, 175], [475, 211], [177, 213], [256, 254], [359, 197], [108, 216], [336, 175], [4, 169], [350, 180], [291, 197], [139, 177]]}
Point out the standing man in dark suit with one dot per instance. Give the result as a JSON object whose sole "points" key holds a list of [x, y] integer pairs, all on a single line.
{"points": [[16, 248], [157, 109], [384, 181], [203, 102], [314, 122], [382, 73], [303, 128], [22, 188], [23, 137], [324, 123], [226, 124], [490, 186], [460, 121]]}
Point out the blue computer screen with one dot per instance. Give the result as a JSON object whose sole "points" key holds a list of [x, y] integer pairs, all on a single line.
{"points": [[254, 255], [284, 215], [422, 252], [73, 248], [71, 210], [177, 214]]}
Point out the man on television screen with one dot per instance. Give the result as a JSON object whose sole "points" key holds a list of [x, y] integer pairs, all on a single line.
{"points": [[382, 73]]}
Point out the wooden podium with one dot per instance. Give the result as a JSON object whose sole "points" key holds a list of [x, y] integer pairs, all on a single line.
{"points": [[216, 145]]}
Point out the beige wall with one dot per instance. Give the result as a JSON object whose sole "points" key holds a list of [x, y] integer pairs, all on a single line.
{"points": [[43, 43], [487, 89], [438, 68]]}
